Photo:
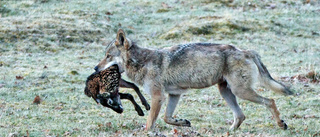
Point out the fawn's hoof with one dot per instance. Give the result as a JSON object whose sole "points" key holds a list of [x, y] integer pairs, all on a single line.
{"points": [[139, 111], [147, 106]]}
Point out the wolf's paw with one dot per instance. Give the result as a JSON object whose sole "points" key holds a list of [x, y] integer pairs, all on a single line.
{"points": [[188, 124], [237, 122], [282, 125], [183, 122], [178, 122]]}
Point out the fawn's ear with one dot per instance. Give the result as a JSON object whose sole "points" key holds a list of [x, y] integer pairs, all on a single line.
{"points": [[121, 40]]}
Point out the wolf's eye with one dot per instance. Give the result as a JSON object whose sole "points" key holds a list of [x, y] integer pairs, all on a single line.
{"points": [[108, 56]]}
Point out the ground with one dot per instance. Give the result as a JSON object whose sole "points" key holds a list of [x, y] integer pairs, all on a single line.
{"points": [[49, 47]]}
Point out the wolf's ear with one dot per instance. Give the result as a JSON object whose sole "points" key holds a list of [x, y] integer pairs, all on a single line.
{"points": [[121, 40]]}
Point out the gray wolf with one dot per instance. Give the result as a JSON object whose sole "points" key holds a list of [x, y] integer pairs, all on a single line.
{"points": [[175, 69], [103, 87]]}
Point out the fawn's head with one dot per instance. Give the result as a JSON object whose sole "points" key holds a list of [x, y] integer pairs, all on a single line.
{"points": [[111, 101]]}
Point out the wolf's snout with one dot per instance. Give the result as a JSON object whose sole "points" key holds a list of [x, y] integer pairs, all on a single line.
{"points": [[96, 68]]}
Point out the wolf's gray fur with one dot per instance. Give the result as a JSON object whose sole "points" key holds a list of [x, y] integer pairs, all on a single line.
{"points": [[175, 69]]}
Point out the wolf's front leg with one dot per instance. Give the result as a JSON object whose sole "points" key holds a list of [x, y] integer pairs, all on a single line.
{"points": [[156, 102], [172, 103]]}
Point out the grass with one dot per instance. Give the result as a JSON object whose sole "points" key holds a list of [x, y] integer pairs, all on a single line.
{"points": [[49, 47]]}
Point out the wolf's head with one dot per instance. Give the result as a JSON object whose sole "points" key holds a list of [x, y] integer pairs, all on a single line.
{"points": [[113, 52]]}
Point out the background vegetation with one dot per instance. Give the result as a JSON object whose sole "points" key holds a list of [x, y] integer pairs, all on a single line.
{"points": [[49, 47]]}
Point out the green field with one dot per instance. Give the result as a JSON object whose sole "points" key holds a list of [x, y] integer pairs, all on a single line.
{"points": [[49, 47]]}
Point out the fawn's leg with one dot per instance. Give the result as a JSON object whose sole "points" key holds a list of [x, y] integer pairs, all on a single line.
{"points": [[172, 103], [231, 100], [130, 97], [127, 84]]}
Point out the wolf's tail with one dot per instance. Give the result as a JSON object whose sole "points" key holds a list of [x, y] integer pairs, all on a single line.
{"points": [[266, 79]]}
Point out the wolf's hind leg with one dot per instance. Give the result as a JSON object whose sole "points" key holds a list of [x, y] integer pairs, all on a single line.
{"points": [[232, 102], [251, 95], [241, 78], [171, 106]]}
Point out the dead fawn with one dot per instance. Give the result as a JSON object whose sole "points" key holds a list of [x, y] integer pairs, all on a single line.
{"points": [[103, 87]]}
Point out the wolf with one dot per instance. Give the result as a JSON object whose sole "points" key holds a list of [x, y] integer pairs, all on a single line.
{"points": [[174, 70]]}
